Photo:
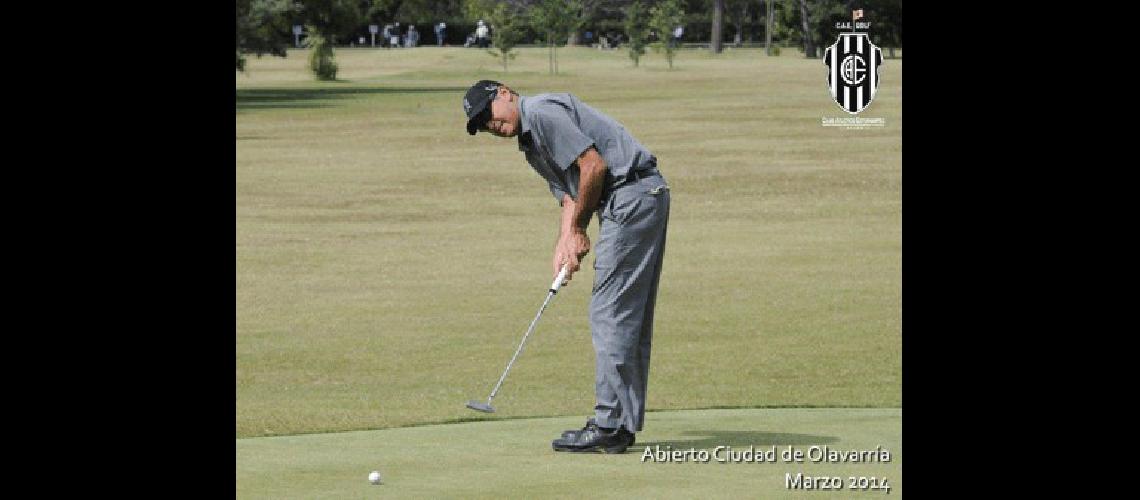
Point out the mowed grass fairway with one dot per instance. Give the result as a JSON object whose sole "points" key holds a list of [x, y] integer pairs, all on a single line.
{"points": [[388, 265]]}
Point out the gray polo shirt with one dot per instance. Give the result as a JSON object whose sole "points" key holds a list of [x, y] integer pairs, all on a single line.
{"points": [[557, 128]]}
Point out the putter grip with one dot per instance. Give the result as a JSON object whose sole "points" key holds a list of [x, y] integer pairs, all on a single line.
{"points": [[558, 280]]}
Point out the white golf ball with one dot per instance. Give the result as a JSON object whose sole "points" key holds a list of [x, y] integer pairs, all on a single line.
{"points": [[374, 477]]}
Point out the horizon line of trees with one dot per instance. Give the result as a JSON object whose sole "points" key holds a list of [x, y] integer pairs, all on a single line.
{"points": [[266, 26]]}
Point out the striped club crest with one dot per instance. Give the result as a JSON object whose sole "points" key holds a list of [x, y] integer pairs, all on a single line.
{"points": [[853, 71]]}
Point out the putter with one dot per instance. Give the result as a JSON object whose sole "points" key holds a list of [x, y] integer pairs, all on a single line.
{"points": [[486, 407]]}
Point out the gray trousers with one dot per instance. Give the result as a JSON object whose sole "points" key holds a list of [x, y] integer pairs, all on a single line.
{"points": [[627, 268]]}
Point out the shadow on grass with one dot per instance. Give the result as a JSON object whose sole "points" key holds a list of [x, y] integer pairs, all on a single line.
{"points": [[301, 98], [737, 440]]}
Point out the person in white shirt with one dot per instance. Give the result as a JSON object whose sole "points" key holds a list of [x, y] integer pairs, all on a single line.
{"points": [[481, 38]]}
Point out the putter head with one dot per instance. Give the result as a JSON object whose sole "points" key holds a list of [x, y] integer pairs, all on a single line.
{"points": [[483, 407]]}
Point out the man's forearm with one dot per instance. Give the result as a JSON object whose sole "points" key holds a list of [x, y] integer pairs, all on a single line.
{"points": [[568, 207], [591, 179]]}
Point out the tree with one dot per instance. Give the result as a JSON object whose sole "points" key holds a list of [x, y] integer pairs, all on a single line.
{"points": [[506, 24], [809, 46], [736, 13], [886, 23], [817, 19], [332, 19], [637, 30], [665, 16], [786, 25], [322, 61], [415, 11], [606, 16], [717, 26], [556, 19], [768, 24], [263, 27], [478, 9], [324, 20]]}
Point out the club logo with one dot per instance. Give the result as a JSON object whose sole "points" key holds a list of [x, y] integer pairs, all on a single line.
{"points": [[853, 71]]}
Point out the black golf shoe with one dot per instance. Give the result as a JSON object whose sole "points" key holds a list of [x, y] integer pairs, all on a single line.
{"points": [[590, 424], [594, 439]]}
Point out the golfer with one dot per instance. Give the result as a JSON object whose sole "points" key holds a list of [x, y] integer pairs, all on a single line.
{"points": [[593, 165]]}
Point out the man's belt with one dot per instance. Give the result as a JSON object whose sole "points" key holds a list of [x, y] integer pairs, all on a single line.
{"points": [[629, 178], [636, 175]]}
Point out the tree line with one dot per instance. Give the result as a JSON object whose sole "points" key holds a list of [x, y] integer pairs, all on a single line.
{"points": [[265, 27]]}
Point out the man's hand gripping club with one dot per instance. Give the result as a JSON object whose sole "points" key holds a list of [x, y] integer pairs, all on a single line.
{"points": [[573, 244]]}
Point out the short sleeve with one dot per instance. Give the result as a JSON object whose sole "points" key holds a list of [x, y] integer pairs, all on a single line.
{"points": [[564, 138], [558, 193]]}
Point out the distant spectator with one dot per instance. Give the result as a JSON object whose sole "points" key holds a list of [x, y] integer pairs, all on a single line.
{"points": [[482, 35], [614, 40], [440, 33], [678, 32], [394, 36], [412, 38]]}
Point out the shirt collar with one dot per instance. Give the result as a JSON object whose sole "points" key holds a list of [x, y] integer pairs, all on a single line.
{"points": [[524, 126]]}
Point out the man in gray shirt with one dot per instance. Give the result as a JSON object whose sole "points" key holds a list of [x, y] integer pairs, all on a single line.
{"points": [[593, 165]]}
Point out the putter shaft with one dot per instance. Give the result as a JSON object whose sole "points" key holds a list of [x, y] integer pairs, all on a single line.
{"points": [[557, 284], [521, 344]]}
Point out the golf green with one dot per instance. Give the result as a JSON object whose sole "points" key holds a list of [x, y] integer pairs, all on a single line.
{"points": [[513, 458]]}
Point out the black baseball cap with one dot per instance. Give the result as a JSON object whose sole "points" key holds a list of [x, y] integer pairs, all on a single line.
{"points": [[476, 102]]}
